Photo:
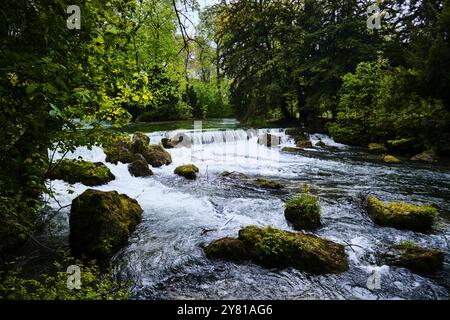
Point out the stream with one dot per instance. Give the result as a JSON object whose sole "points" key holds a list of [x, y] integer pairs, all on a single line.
{"points": [[164, 257]]}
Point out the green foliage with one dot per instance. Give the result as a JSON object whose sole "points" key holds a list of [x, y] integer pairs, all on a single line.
{"points": [[95, 284], [376, 104]]}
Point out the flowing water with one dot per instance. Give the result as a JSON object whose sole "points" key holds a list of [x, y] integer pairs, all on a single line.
{"points": [[164, 257]]}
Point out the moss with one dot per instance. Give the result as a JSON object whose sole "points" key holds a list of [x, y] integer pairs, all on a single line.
{"points": [[303, 212], [272, 247], [88, 173], [119, 150], [277, 248], [415, 258], [227, 249], [139, 168], [303, 144], [101, 222], [292, 150], [402, 215], [268, 184], [167, 143], [188, 171], [156, 156], [391, 159], [377, 148], [321, 144]]}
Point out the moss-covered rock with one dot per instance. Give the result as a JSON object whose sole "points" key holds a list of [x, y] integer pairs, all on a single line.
{"points": [[391, 159], [139, 143], [188, 171], [292, 150], [119, 150], [321, 144], [269, 140], [402, 215], [168, 143], [268, 184], [377, 148], [426, 156], [125, 150], [417, 259], [88, 173], [139, 168], [303, 212], [101, 222], [271, 247], [156, 156], [297, 134], [227, 249], [303, 144], [234, 175]]}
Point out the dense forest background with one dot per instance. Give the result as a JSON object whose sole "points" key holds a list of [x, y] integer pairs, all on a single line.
{"points": [[309, 62]]}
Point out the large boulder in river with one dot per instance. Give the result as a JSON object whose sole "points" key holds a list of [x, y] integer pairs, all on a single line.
{"points": [[101, 222], [156, 156], [402, 215], [271, 247], [139, 168], [188, 171], [417, 259], [88, 173], [119, 150], [127, 150], [303, 212]]}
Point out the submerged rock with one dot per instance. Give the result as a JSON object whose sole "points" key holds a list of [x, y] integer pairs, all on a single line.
{"points": [[417, 259], [269, 140], [268, 184], [156, 156], [188, 171], [139, 168], [234, 175], [377, 148], [88, 173], [292, 150], [402, 215], [426, 156], [391, 159], [303, 212], [271, 247], [101, 222]]}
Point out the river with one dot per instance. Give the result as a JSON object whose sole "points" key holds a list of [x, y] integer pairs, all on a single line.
{"points": [[164, 258]]}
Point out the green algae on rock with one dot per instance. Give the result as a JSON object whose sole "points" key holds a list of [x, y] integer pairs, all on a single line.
{"points": [[139, 168], [188, 171], [417, 259], [268, 184], [303, 212], [88, 173], [391, 159], [101, 222], [275, 248], [402, 215], [377, 148]]}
